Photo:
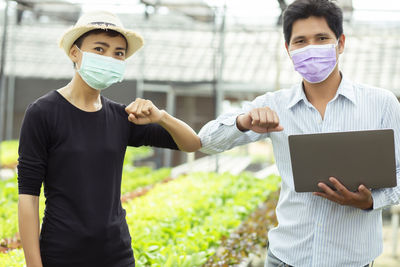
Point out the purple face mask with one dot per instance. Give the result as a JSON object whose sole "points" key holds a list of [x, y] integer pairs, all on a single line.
{"points": [[315, 62]]}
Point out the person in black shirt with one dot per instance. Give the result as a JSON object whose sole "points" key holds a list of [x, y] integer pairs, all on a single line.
{"points": [[73, 140]]}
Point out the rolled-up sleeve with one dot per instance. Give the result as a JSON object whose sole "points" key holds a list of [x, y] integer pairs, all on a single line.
{"points": [[222, 133], [33, 147], [391, 120]]}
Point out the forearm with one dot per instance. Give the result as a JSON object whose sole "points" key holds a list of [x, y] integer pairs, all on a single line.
{"points": [[223, 134], [183, 135], [217, 137], [28, 220]]}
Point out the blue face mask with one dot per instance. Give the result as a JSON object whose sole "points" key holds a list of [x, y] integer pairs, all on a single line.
{"points": [[99, 72]]}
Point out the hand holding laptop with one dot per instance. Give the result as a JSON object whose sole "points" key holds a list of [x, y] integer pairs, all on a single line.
{"points": [[344, 166], [361, 199], [358, 158]]}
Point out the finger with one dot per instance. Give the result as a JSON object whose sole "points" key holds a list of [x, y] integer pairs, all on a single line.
{"points": [[132, 118], [324, 195], [330, 194], [326, 189], [339, 187], [137, 120], [364, 191], [128, 108], [255, 118], [139, 110], [263, 115], [279, 128], [147, 107], [131, 107], [259, 129], [271, 120], [276, 119], [134, 107]]}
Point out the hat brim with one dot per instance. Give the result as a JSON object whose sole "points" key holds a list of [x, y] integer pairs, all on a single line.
{"points": [[134, 40]]}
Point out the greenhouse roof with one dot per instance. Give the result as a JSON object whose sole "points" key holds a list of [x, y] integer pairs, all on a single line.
{"points": [[254, 58]]}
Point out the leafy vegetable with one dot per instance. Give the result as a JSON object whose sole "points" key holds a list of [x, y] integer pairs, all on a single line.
{"points": [[181, 223], [133, 177], [9, 153]]}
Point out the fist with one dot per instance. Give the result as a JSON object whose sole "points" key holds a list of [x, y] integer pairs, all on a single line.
{"points": [[142, 111], [259, 120]]}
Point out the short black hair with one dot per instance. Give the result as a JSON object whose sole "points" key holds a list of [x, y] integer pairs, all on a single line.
{"points": [[302, 9], [111, 33]]}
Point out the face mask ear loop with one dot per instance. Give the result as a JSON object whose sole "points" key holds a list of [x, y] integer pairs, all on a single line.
{"points": [[336, 46], [337, 43], [78, 48], [79, 51]]}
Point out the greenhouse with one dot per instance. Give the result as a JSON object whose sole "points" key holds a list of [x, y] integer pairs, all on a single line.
{"points": [[226, 200]]}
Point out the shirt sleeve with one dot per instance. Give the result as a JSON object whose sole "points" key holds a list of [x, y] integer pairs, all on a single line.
{"points": [[33, 144], [150, 135], [390, 196], [222, 133]]}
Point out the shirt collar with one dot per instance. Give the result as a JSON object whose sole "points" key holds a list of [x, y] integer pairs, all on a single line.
{"points": [[298, 96], [345, 89]]}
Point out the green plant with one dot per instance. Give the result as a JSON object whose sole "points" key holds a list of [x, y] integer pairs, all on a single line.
{"points": [[250, 238], [9, 208], [141, 177], [13, 258], [9, 153], [136, 153], [181, 223], [133, 178]]}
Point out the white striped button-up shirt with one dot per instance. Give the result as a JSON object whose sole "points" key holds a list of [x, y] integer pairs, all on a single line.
{"points": [[313, 231]]}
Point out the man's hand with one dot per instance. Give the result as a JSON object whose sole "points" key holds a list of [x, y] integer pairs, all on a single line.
{"points": [[142, 111], [259, 120], [361, 199]]}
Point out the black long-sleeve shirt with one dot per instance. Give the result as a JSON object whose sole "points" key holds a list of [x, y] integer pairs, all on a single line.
{"points": [[79, 156]]}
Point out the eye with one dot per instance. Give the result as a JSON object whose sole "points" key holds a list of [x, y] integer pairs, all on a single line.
{"points": [[99, 49], [299, 42], [119, 54], [323, 38]]}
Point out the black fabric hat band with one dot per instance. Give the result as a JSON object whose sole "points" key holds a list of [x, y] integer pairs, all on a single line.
{"points": [[103, 23]]}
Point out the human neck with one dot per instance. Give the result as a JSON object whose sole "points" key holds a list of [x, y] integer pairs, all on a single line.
{"points": [[78, 93], [319, 94]]}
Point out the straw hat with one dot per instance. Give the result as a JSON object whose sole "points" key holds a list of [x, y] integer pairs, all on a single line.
{"points": [[100, 20]]}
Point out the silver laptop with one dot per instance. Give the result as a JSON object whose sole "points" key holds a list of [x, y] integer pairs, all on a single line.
{"points": [[354, 158]]}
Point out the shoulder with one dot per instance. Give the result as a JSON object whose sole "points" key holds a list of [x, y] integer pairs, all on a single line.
{"points": [[374, 94], [280, 94], [285, 94], [114, 107], [280, 97], [43, 105]]}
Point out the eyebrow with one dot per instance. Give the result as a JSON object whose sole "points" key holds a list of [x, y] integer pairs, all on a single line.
{"points": [[107, 45], [322, 34], [316, 35]]}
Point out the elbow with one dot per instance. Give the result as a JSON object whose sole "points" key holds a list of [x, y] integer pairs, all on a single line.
{"points": [[192, 146]]}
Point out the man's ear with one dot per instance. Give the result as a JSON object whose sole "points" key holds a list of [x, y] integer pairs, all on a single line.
{"points": [[74, 54], [342, 41]]}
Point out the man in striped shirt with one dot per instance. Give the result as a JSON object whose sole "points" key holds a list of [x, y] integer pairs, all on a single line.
{"points": [[331, 228]]}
